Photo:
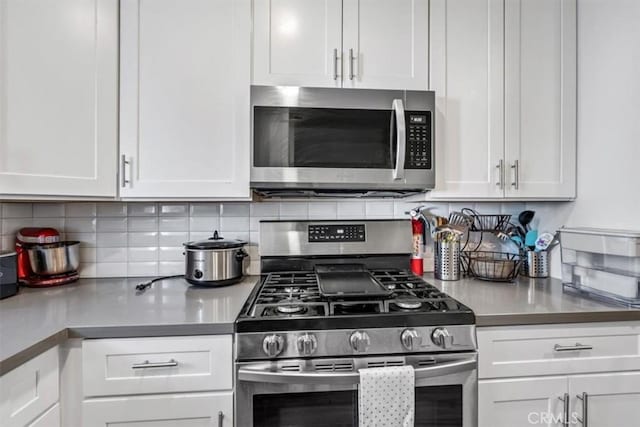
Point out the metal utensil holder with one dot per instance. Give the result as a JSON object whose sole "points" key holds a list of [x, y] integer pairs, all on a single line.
{"points": [[537, 264], [447, 260]]}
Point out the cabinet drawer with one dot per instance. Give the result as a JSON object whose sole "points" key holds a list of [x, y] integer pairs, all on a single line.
{"points": [[157, 365], [30, 389], [178, 410], [51, 418], [558, 349]]}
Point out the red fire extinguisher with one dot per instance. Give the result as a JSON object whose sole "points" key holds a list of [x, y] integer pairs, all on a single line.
{"points": [[417, 224]]}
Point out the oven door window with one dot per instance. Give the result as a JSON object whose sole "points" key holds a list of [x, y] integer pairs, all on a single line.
{"points": [[436, 406], [322, 138]]}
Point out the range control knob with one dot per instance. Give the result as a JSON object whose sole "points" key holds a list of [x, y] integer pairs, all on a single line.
{"points": [[307, 344], [197, 274], [442, 338], [410, 339], [359, 341], [273, 345]]}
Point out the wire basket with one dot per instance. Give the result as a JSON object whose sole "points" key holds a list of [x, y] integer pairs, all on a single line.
{"points": [[488, 223], [492, 266]]}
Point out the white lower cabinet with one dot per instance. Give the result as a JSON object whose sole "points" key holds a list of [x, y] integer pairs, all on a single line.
{"points": [[521, 402], [51, 418], [596, 380], [176, 410]]}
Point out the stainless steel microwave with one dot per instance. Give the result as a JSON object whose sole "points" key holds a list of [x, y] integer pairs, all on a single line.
{"points": [[340, 141]]}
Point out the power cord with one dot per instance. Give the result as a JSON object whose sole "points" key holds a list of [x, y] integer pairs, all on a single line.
{"points": [[141, 287]]}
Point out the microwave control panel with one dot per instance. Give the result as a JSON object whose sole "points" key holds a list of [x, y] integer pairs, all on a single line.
{"points": [[418, 155], [337, 233]]}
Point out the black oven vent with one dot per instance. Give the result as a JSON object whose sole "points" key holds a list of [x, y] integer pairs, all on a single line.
{"points": [[385, 363], [334, 366], [426, 362], [290, 368]]}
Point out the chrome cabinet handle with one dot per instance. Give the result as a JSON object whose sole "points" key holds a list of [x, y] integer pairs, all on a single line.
{"points": [[146, 364], [516, 174], [401, 140], [500, 167], [123, 170], [565, 409], [577, 347], [585, 401], [335, 64], [351, 59], [220, 418]]}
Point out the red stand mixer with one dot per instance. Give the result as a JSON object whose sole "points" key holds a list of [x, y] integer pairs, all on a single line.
{"points": [[43, 260]]}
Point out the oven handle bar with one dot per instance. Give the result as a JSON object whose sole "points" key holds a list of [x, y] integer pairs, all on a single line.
{"points": [[347, 378]]}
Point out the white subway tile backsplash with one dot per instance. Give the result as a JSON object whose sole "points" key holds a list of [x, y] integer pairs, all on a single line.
{"points": [[88, 255], [294, 210], [199, 235], [204, 209], [323, 210], [169, 268], [234, 209], [148, 239], [17, 210], [142, 269], [87, 240], [238, 235], [171, 254], [142, 224], [48, 210], [173, 209], [111, 240], [264, 209], [57, 223], [73, 210], [254, 222], [204, 224], [80, 225], [88, 269], [173, 238], [173, 224], [10, 226], [111, 225], [142, 209], [142, 254], [254, 237], [7, 243], [111, 269], [379, 209], [234, 224], [351, 210], [112, 209], [111, 254]]}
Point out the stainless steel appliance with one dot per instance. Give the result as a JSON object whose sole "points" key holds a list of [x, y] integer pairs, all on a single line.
{"points": [[8, 274], [336, 297], [328, 141], [214, 262]]}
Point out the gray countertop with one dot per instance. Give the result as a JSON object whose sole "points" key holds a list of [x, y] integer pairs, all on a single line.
{"points": [[529, 301], [37, 319]]}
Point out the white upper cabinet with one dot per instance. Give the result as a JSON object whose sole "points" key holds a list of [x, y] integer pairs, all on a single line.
{"points": [[58, 97], [297, 42], [184, 98], [375, 44], [540, 98], [386, 44], [466, 72], [504, 73]]}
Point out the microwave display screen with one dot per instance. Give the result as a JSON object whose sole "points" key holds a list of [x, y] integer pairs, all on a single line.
{"points": [[322, 138], [418, 120]]}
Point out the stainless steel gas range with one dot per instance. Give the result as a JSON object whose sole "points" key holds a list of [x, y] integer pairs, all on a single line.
{"points": [[336, 297]]}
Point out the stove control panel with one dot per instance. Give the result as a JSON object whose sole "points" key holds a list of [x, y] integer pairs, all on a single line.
{"points": [[336, 233]]}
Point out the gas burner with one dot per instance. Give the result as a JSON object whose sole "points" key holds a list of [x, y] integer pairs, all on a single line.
{"points": [[408, 303], [290, 309]]}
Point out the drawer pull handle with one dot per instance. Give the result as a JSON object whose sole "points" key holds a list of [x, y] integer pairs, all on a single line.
{"points": [[585, 410], [220, 418], [577, 347], [146, 364]]}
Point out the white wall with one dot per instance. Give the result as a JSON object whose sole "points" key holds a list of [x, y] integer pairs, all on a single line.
{"points": [[608, 115]]}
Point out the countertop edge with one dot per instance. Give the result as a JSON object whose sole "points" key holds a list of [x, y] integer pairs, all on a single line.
{"points": [[32, 351], [514, 319]]}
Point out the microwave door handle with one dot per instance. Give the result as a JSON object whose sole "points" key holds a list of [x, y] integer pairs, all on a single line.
{"points": [[348, 378], [401, 140]]}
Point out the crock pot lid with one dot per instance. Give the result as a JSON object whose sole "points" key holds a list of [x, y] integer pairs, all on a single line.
{"points": [[216, 242]]}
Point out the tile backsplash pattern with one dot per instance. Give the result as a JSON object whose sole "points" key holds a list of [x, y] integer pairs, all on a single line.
{"points": [[145, 239]]}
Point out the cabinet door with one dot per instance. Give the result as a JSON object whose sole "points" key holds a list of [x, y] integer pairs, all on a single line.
{"points": [[51, 418], [58, 97], [467, 75], [185, 67], [176, 410], [386, 44], [540, 97], [297, 43], [612, 399], [521, 402]]}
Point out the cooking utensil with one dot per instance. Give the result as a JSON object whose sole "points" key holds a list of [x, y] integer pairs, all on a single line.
{"points": [[525, 219], [214, 262], [54, 258], [530, 239], [543, 241]]}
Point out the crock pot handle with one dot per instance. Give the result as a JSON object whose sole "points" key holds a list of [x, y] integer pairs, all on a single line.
{"points": [[241, 254]]}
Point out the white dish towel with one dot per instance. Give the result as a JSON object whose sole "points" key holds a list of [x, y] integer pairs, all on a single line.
{"points": [[386, 397]]}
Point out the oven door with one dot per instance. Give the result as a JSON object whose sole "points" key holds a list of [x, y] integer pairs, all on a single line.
{"points": [[337, 139], [324, 392]]}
